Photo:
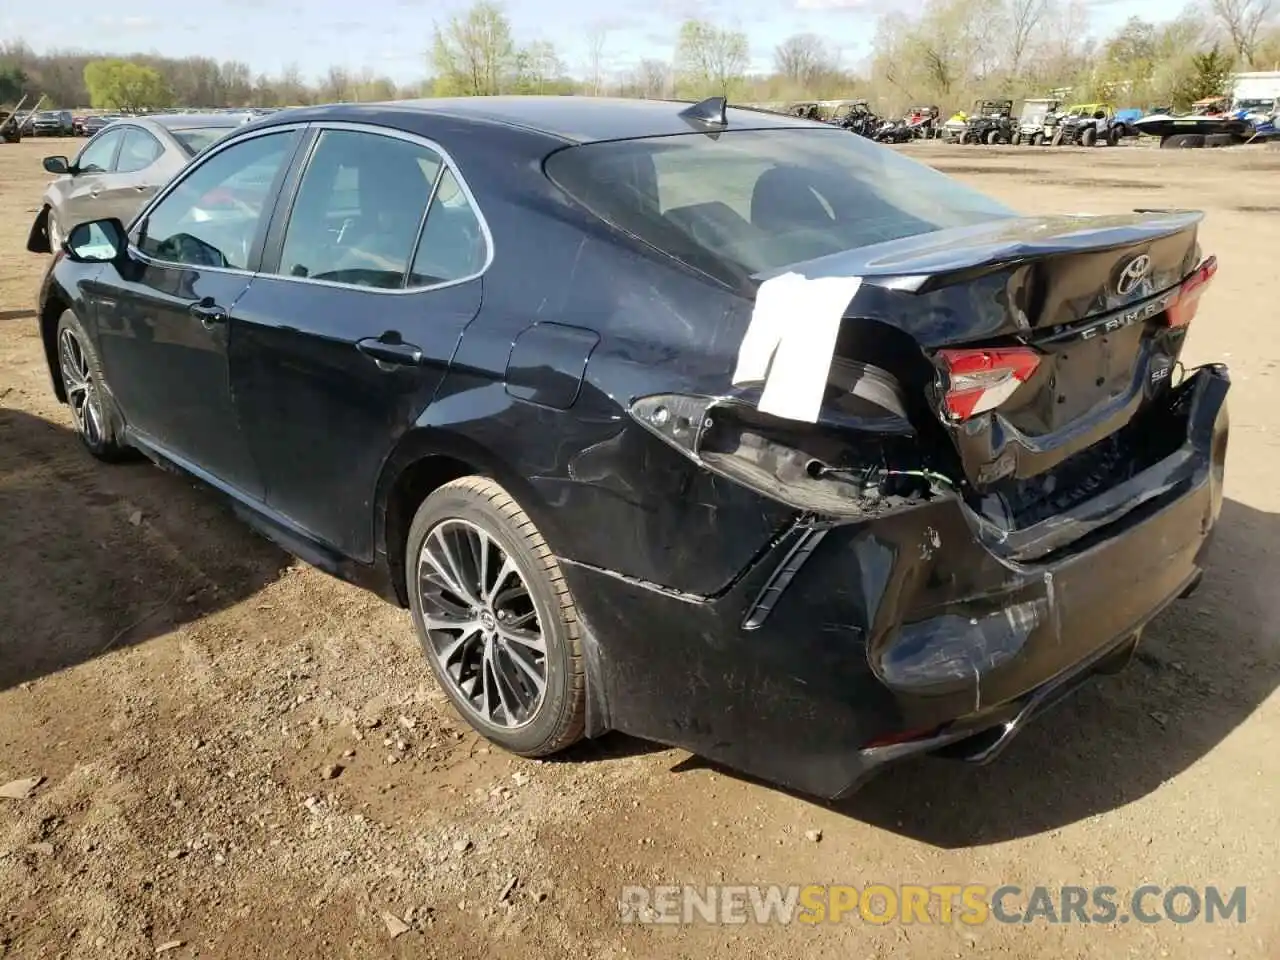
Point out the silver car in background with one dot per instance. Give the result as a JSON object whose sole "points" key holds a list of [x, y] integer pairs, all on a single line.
{"points": [[121, 168]]}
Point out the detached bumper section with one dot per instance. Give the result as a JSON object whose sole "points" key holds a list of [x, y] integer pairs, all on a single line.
{"points": [[850, 644]]}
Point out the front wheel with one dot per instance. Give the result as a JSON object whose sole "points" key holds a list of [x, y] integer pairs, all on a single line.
{"points": [[495, 618], [86, 391], [1037, 139]]}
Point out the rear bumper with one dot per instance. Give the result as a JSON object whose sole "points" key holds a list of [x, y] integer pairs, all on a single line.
{"points": [[852, 644]]}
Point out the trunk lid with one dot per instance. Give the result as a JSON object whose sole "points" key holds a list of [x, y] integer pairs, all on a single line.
{"points": [[1085, 297]]}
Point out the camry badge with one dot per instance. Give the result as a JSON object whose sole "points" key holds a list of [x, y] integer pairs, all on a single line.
{"points": [[1132, 274]]}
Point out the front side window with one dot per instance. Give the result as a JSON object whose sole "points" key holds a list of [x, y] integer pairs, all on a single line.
{"points": [[359, 209], [99, 155], [139, 150], [212, 216], [754, 201]]}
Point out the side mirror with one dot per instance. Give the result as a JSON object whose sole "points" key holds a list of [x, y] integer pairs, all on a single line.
{"points": [[99, 241], [57, 165]]}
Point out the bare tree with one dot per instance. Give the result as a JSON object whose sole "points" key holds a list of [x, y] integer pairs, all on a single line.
{"points": [[473, 53], [1242, 19], [539, 66], [710, 60], [597, 34], [337, 86], [804, 59], [652, 79], [1024, 17]]}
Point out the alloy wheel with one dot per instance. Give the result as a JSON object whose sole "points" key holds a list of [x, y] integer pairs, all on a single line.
{"points": [[82, 392], [481, 623]]}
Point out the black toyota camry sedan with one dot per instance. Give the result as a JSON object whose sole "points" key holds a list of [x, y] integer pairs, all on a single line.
{"points": [[722, 428]]}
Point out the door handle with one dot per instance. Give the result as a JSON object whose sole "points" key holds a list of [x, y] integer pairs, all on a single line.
{"points": [[95, 191], [386, 351], [208, 312], [141, 188]]}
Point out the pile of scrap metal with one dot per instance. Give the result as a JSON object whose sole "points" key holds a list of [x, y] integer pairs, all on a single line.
{"points": [[16, 123]]}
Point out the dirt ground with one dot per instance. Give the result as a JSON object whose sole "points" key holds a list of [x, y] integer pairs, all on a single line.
{"points": [[181, 686]]}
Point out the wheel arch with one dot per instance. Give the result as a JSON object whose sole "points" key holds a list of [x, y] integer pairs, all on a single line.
{"points": [[427, 458], [56, 302], [38, 239]]}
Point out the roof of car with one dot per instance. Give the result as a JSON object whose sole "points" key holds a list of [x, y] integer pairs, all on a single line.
{"points": [[188, 121], [570, 118]]}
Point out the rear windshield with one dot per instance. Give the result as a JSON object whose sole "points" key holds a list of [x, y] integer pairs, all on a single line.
{"points": [[753, 201], [195, 139]]}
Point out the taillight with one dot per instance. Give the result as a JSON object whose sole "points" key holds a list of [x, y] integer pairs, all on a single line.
{"points": [[981, 380], [1180, 312]]}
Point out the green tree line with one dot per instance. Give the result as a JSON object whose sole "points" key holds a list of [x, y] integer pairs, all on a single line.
{"points": [[946, 52]]}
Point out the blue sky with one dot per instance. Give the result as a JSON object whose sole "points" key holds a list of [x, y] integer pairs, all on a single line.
{"points": [[392, 36]]}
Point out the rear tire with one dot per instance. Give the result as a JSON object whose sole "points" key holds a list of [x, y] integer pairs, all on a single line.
{"points": [[1088, 137], [526, 695], [92, 410], [993, 137]]}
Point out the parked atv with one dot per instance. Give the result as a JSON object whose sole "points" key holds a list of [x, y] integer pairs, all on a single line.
{"points": [[856, 117], [1033, 126], [923, 122], [1087, 125], [991, 122], [893, 131], [955, 127]]}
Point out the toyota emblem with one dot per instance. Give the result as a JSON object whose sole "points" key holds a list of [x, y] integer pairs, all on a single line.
{"points": [[1133, 274]]}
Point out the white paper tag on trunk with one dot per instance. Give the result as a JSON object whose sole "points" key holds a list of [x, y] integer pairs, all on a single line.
{"points": [[791, 340]]}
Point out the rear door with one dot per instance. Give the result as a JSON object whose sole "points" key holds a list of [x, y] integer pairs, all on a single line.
{"points": [[372, 274], [90, 175], [128, 187]]}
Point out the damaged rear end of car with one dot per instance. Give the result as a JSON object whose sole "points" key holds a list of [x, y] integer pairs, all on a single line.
{"points": [[1000, 472]]}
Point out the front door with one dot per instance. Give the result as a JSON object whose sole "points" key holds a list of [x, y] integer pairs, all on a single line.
{"points": [[128, 188], [165, 317], [89, 174], [342, 340]]}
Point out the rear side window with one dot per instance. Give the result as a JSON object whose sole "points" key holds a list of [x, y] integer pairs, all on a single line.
{"points": [[453, 245], [139, 150], [754, 201]]}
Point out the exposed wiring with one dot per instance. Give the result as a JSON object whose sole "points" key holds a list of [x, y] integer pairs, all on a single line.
{"points": [[929, 475], [873, 476]]}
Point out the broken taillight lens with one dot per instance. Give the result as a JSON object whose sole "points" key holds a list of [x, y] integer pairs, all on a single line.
{"points": [[1181, 311], [980, 380]]}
